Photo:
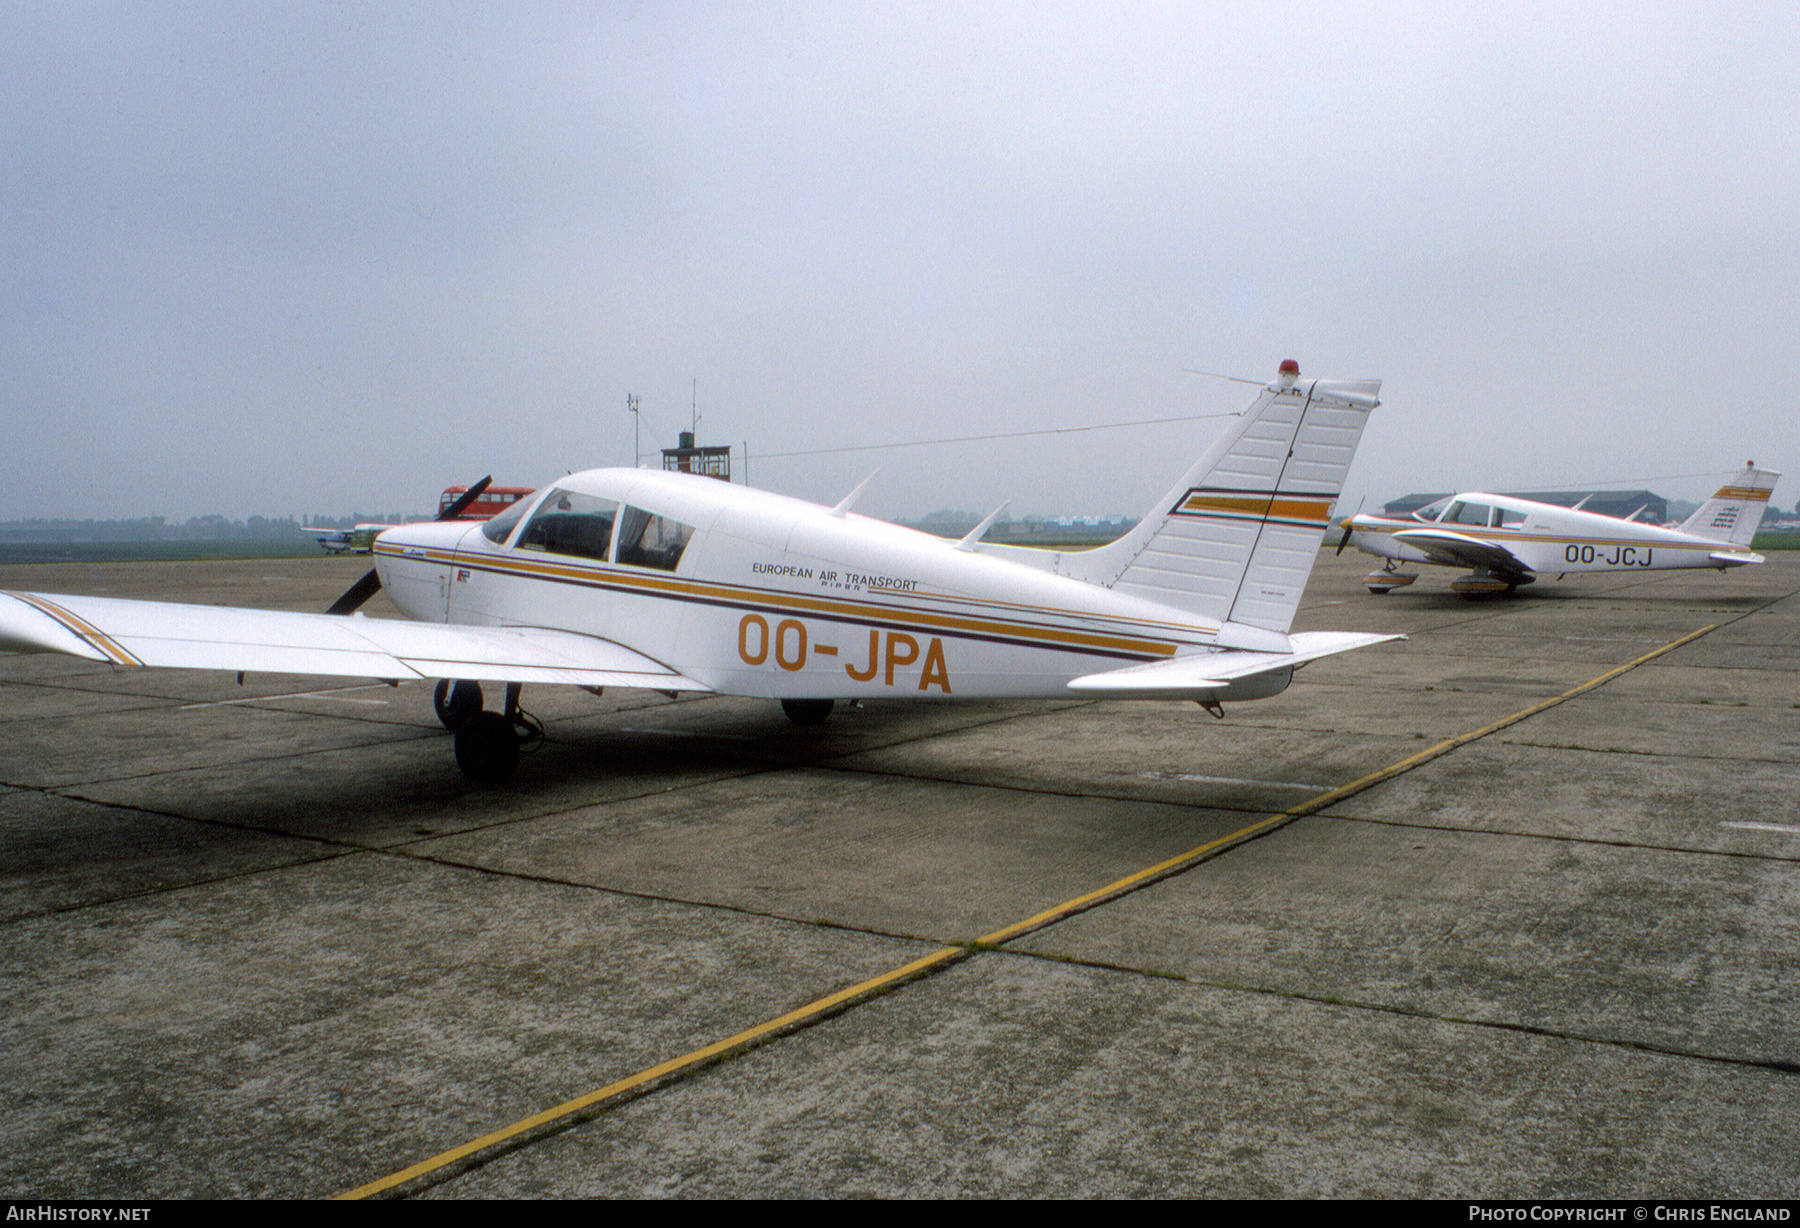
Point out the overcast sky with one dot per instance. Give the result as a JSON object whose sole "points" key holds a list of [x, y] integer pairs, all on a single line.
{"points": [[309, 258]]}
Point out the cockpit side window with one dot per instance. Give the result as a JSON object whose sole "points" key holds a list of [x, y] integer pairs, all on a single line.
{"points": [[649, 540], [1467, 513], [1506, 518], [570, 523], [500, 527]]}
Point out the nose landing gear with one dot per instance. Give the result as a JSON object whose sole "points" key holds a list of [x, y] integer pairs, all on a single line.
{"points": [[1389, 578]]}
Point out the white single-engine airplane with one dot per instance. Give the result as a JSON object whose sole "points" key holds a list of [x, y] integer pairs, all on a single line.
{"points": [[359, 540], [677, 582], [1506, 542]]}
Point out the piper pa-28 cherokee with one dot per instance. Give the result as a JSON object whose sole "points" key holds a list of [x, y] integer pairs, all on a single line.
{"points": [[1506, 542], [677, 582]]}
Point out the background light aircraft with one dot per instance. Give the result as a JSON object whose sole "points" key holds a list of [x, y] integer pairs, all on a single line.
{"points": [[359, 540], [454, 504], [1506, 542], [676, 582]]}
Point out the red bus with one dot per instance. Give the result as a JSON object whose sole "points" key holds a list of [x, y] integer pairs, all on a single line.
{"points": [[493, 500]]}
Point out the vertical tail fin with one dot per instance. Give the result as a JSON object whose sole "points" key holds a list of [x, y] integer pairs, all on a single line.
{"points": [[1236, 538], [1735, 510]]}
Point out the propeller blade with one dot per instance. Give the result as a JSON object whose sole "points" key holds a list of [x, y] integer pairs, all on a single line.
{"points": [[356, 594], [370, 584], [1345, 524], [467, 497]]}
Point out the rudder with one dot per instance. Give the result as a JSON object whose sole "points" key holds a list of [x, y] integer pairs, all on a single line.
{"points": [[1736, 509], [1236, 539]]}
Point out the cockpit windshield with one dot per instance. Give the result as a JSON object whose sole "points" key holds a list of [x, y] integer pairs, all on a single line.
{"points": [[1431, 511], [499, 528], [1467, 513], [568, 522]]}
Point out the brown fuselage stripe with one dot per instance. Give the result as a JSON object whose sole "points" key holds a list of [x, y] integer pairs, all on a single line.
{"points": [[832, 609], [1512, 535]]}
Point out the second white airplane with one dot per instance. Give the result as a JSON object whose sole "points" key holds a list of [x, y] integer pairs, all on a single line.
{"points": [[676, 582], [1506, 542]]}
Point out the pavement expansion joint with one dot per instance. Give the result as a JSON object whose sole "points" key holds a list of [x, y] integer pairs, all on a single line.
{"points": [[175, 888], [339, 845], [1664, 756], [661, 897], [1558, 837], [1778, 1065], [1013, 786]]}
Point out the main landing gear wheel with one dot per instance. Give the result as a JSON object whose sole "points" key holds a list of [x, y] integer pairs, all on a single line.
{"points": [[1477, 585], [1385, 581], [487, 749], [805, 712], [488, 744], [456, 702]]}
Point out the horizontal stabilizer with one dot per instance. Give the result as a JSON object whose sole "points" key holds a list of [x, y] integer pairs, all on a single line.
{"points": [[272, 641], [1203, 675], [1734, 558]]}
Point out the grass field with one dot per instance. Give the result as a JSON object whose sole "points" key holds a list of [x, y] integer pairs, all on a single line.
{"points": [[148, 552]]}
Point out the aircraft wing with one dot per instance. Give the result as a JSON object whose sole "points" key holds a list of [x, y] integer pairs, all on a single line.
{"points": [[1460, 550], [1199, 676], [367, 527], [273, 641]]}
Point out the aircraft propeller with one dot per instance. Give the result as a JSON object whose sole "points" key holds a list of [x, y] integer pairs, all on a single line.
{"points": [[1345, 525], [370, 584]]}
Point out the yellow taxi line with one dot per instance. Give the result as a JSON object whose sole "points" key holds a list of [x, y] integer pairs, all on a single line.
{"points": [[573, 1108], [1314, 805], [521, 1131]]}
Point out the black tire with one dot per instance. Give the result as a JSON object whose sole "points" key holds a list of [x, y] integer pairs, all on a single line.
{"points": [[806, 712], [487, 748], [456, 702]]}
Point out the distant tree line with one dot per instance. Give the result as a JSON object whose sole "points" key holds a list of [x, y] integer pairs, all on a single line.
{"points": [[194, 529], [356, 518], [1032, 529]]}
